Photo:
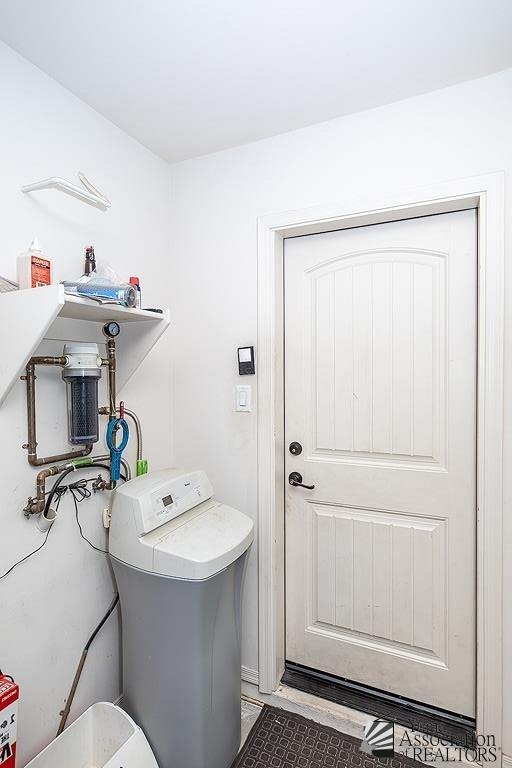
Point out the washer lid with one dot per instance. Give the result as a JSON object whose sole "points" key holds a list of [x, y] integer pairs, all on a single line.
{"points": [[201, 542]]}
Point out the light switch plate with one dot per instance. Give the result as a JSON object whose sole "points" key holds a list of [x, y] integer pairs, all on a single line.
{"points": [[243, 397]]}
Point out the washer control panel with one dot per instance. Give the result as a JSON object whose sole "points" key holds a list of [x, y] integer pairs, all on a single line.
{"points": [[178, 496], [158, 497]]}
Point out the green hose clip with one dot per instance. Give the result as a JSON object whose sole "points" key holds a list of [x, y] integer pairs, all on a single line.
{"points": [[84, 462], [142, 467]]}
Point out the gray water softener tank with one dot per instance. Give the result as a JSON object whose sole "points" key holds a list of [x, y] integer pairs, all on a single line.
{"points": [[178, 558]]}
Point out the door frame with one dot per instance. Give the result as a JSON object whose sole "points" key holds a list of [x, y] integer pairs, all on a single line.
{"points": [[486, 193]]}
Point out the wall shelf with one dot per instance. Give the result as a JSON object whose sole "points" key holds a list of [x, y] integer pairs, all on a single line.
{"points": [[33, 315], [80, 193], [79, 308]]}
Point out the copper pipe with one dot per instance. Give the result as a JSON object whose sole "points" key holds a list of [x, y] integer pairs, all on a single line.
{"points": [[70, 455], [111, 359], [31, 445], [48, 360], [110, 363], [37, 504]]}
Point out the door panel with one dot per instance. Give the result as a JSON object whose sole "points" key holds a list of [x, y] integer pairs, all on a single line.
{"points": [[360, 561], [379, 329], [380, 389]]}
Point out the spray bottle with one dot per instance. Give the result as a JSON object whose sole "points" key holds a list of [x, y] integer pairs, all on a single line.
{"points": [[34, 269]]}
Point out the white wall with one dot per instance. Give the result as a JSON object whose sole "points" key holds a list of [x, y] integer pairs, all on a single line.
{"points": [[452, 133], [50, 604]]}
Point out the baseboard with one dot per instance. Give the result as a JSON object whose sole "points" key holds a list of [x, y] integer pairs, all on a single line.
{"points": [[251, 676]]}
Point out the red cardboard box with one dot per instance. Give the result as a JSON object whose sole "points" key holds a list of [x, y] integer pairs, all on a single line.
{"points": [[9, 695]]}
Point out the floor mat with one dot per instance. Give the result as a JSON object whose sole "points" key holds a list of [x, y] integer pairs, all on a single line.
{"points": [[282, 739]]}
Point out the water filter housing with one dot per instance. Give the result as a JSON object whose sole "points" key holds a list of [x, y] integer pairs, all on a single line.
{"points": [[81, 373]]}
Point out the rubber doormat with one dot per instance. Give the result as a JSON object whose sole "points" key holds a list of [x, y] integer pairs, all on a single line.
{"points": [[281, 739]]}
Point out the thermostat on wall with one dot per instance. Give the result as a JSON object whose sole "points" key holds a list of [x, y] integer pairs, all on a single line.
{"points": [[245, 360]]}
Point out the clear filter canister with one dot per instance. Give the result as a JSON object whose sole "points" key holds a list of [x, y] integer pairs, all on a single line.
{"points": [[82, 373]]}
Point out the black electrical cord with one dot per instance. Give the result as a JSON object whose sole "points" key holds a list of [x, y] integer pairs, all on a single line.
{"points": [[79, 492], [81, 663], [11, 569], [55, 486], [59, 490], [37, 549]]}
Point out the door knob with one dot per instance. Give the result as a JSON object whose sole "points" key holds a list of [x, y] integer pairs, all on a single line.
{"points": [[295, 478], [295, 448]]}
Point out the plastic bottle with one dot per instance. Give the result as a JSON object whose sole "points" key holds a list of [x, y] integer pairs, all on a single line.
{"points": [[135, 282], [90, 261], [34, 269]]}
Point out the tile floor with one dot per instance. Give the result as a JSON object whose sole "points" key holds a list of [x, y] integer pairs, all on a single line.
{"points": [[250, 714]]}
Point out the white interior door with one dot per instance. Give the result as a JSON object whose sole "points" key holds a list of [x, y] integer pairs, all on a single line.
{"points": [[380, 391]]}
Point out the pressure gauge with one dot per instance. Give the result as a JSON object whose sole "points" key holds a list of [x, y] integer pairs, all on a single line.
{"points": [[111, 329]]}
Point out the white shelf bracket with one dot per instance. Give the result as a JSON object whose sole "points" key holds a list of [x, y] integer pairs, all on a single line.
{"points": [[70, 189], [47, 312]]}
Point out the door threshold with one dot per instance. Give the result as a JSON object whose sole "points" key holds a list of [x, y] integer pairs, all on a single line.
{"points": [[457, 729]]}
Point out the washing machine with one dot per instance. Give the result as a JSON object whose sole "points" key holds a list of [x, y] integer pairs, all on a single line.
{"points": [[178, 556]]}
